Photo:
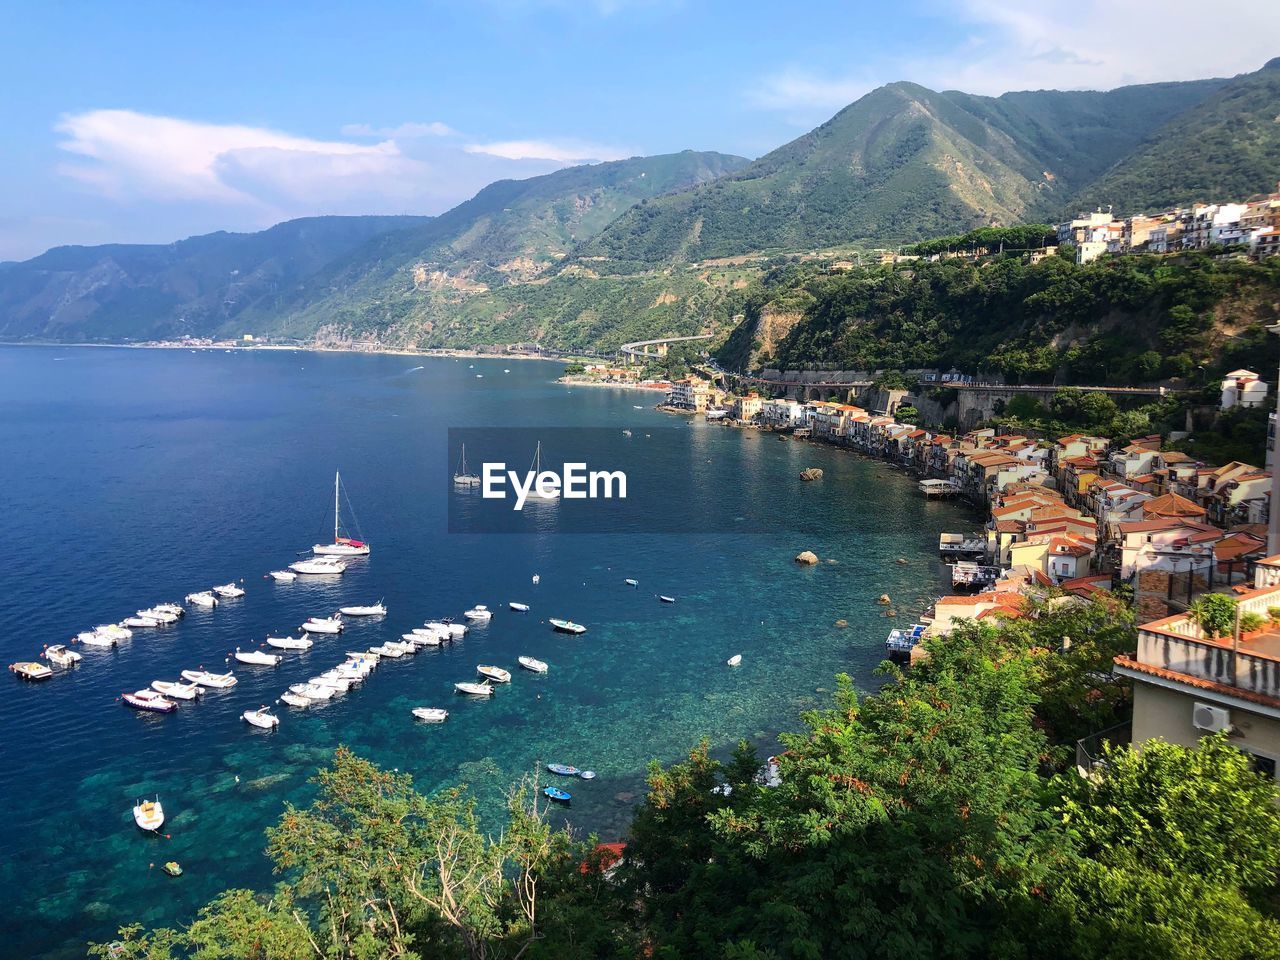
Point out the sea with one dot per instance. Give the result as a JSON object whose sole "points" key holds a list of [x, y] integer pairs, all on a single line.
{"points": [[133, 477]]}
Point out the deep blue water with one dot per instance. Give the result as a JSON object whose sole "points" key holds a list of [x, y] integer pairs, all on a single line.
{"points": [[132, 477]]}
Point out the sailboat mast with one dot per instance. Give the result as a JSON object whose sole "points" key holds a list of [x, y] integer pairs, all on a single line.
{"points": [[336, 477]]}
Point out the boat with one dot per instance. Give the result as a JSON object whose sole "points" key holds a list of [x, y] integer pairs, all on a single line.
{"points": [[461, 478], [155, 613], [295, 699], [431, 714], [29, 670], [474, 689], [289, 643], [518, 607], [734, 660], [229, 591], [479, 613], [312, 691], [149, 700], [401, 645], [558, 795], [373, 610], [319, 566], [176, 609], [587, 775], [496, 674], [91, 638], [114, 630], [261, 718], [149, 815], [386, 650], [323, 625], [367, 655], [140, 622], [336, 678], [202, 598], [176, 689], [666, 599], [341, 546], [631, 583], [536, 469], [567, 626], [563, 769], [172, 868], [626, 433], [423, 639], [283, 576], [532, 663], [206, 679], [59, 654], [258, 658], [636, 406], [457, 630], [537, 579]]}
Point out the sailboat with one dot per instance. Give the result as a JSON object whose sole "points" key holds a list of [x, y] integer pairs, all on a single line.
{"points": [[534, 494], [462, 478], [341, 546]]}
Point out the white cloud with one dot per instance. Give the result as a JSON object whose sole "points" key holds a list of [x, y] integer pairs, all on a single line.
{"points": [[565, 152], [405, 131], [1091, 44]]}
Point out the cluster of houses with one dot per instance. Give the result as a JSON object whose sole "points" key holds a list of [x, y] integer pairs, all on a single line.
{"points": [[1254, 224]]}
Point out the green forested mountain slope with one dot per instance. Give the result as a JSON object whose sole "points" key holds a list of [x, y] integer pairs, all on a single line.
{"points": [[139, 291], [1225, 148]]}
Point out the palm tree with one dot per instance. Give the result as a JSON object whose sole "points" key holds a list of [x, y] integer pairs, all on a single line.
{"points": [[1215, 613]]}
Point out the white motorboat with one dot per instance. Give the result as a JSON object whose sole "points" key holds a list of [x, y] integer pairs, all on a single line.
{"points": [[261, 718], [283, 576], [289, 643], [31, 670], [423, 639], [60, 655], [229, 591], [431, 714], [114, 630], [140, 622], [402, 645], [567, 626], [164, 616], [537, 579], [457, 630], [149, 815], [373, 610], [479, 613], [206, 679], [367, 655], [319, 566], [341, 546], [342, 672], [518, 607], [337, 684], [631, 582], [258, 658], [462, 478], [176, 609], [311, 691], [496, 674], [92, 638], [532, 663], [474, 689], [734, 660], [295, 699], [203, 598], [323, 625], [386, 650], [149, 700], [176, 689]]}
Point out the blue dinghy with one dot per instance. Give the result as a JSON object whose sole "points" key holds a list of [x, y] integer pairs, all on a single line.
{"points": [[555, 793]]}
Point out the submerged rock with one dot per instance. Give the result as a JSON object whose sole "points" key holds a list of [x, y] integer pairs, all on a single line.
{"points": [[884, 598], [807, 557]]}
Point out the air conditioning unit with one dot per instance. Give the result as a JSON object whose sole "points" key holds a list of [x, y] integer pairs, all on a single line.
{"points": [[1210, 719]]}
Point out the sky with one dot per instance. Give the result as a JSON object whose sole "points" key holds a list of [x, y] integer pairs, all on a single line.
{"points": [[149, 122]]}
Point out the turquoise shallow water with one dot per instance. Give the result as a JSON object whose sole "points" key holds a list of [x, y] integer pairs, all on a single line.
{"points": [[133, 477]]}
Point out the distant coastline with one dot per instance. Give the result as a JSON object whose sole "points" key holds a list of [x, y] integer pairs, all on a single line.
{"points": [[445, 353]]}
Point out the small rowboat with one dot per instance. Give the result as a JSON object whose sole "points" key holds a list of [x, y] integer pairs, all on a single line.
{"points": [[431, 714], [148, 815], [558, 795], [631, 583], [496, 674], [567, 626], [518, 607], [734, 660], [587, 775], [28, 670], [261, 718], [563, 769], [474, 689], [258, 657], [179, 691], [531, 663], [149, 700], [59, 654], [666, 599]]}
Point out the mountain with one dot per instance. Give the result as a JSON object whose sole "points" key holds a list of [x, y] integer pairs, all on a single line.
{"points": [[143, 291], [507, 234], [1225, 148], [903, 163]]}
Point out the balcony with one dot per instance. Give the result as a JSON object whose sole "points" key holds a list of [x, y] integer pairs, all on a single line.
{"points": [[1091, 750]]}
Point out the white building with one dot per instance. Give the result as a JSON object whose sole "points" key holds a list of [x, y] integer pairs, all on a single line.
{"points": [[781, 413], [1243, 388]]}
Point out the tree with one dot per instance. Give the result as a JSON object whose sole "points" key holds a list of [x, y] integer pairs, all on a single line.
{"points": [[1215, 613], [907, 414]]}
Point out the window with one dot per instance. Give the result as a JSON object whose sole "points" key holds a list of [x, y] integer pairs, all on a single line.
{"points": [[1261, 764]]}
